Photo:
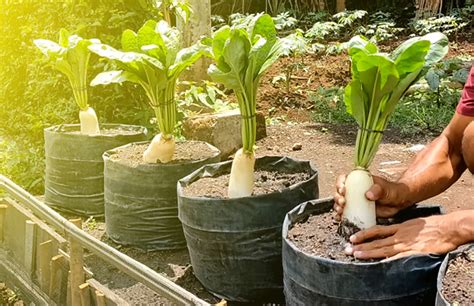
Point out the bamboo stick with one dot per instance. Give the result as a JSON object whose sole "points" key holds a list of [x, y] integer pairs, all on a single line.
{"points": [[3, 209], [30, 247], [100, 298], [76, 264], [56, 275], [45, 253], [85, 294]]}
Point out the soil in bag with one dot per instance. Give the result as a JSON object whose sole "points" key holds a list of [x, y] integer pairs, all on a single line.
{"points": [[458, 282]]}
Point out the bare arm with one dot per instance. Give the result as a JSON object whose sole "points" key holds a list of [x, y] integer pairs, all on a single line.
{"points": [[436, 168]]}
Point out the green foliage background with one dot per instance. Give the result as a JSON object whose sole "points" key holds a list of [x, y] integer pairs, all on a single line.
{"points": [[33, 96]]}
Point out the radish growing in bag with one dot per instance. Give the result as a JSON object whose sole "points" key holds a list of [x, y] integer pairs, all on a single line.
{"points": [[379, 81]]}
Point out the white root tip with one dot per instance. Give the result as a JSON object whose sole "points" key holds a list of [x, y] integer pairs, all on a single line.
{"points": [[241, 180], [89, 122], [359, 210], [160, 149]]}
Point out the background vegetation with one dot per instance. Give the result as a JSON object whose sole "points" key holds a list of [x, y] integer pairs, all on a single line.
{"points": [[33, 96]]}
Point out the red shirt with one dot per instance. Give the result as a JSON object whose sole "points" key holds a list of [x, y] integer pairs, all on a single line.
{"points": [[466, 104]]}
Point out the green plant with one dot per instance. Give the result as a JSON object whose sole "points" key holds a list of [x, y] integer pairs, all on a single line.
{"points": [[284, 21], [350, 18], [378, 83], [313, 17], [170, 10], [152, 58], [320, 31], [242, 55], [71, 57], [33, 96], [381, 27], [416, 114], [340, 26], [336, 48], [295, 45], [204, 99], [449, 25], [329, 105], [217, 21]]}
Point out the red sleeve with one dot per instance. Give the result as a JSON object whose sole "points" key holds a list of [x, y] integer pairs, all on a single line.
{"points": [[466, 104]]}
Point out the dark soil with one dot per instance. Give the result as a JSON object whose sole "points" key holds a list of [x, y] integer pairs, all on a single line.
{"points": [[318, 236], [265, 182], [186, 151], [110, 132], [458, 282]]}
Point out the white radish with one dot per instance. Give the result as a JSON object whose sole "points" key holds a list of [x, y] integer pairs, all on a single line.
{"points": [[358, 209], [241, 180], [89, 122], [160, 148]]}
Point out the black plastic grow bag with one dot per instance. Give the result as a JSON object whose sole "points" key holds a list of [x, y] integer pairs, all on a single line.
{"points": [[440, 300], [235, 244], [141, 208], [313, 280], [74, 180]]}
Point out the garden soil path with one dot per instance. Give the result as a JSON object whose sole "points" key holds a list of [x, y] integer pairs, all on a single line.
{"points": [[330, 148]]}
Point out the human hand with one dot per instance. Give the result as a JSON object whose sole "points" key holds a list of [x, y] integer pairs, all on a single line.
{"points": [[383, 192], [431, 235]]}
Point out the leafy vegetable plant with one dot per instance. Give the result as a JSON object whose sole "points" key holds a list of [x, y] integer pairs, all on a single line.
{"points": [[242, 53], [378, 82], [152, 58], [71, 57], [295, 45]]}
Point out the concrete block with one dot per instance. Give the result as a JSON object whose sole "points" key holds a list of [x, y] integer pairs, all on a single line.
{"points": [[222, 130]]}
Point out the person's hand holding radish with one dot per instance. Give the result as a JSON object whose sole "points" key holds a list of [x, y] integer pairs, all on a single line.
{"points": [[384, 193], [431, 235], [433, 171]]}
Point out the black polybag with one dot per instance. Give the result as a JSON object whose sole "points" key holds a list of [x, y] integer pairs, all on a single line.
{"points": [[235, 244], [314, 280], [141, 207], [74, 180]]}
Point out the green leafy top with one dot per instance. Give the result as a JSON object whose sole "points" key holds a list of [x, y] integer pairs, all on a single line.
{"points": [[242, 53], [379, 81], [153, 58], [71, 57]]}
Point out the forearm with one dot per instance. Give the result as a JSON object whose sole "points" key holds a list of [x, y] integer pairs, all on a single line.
{"points": [[434, 170], [461, 226]]}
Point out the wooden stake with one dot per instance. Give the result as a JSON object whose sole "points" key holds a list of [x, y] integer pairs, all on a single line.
{"points": [[85, 294], [56, 277], [100, 298], [76, 263], [3, 209], [45, 253], [69, 290], [30, 246]]}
